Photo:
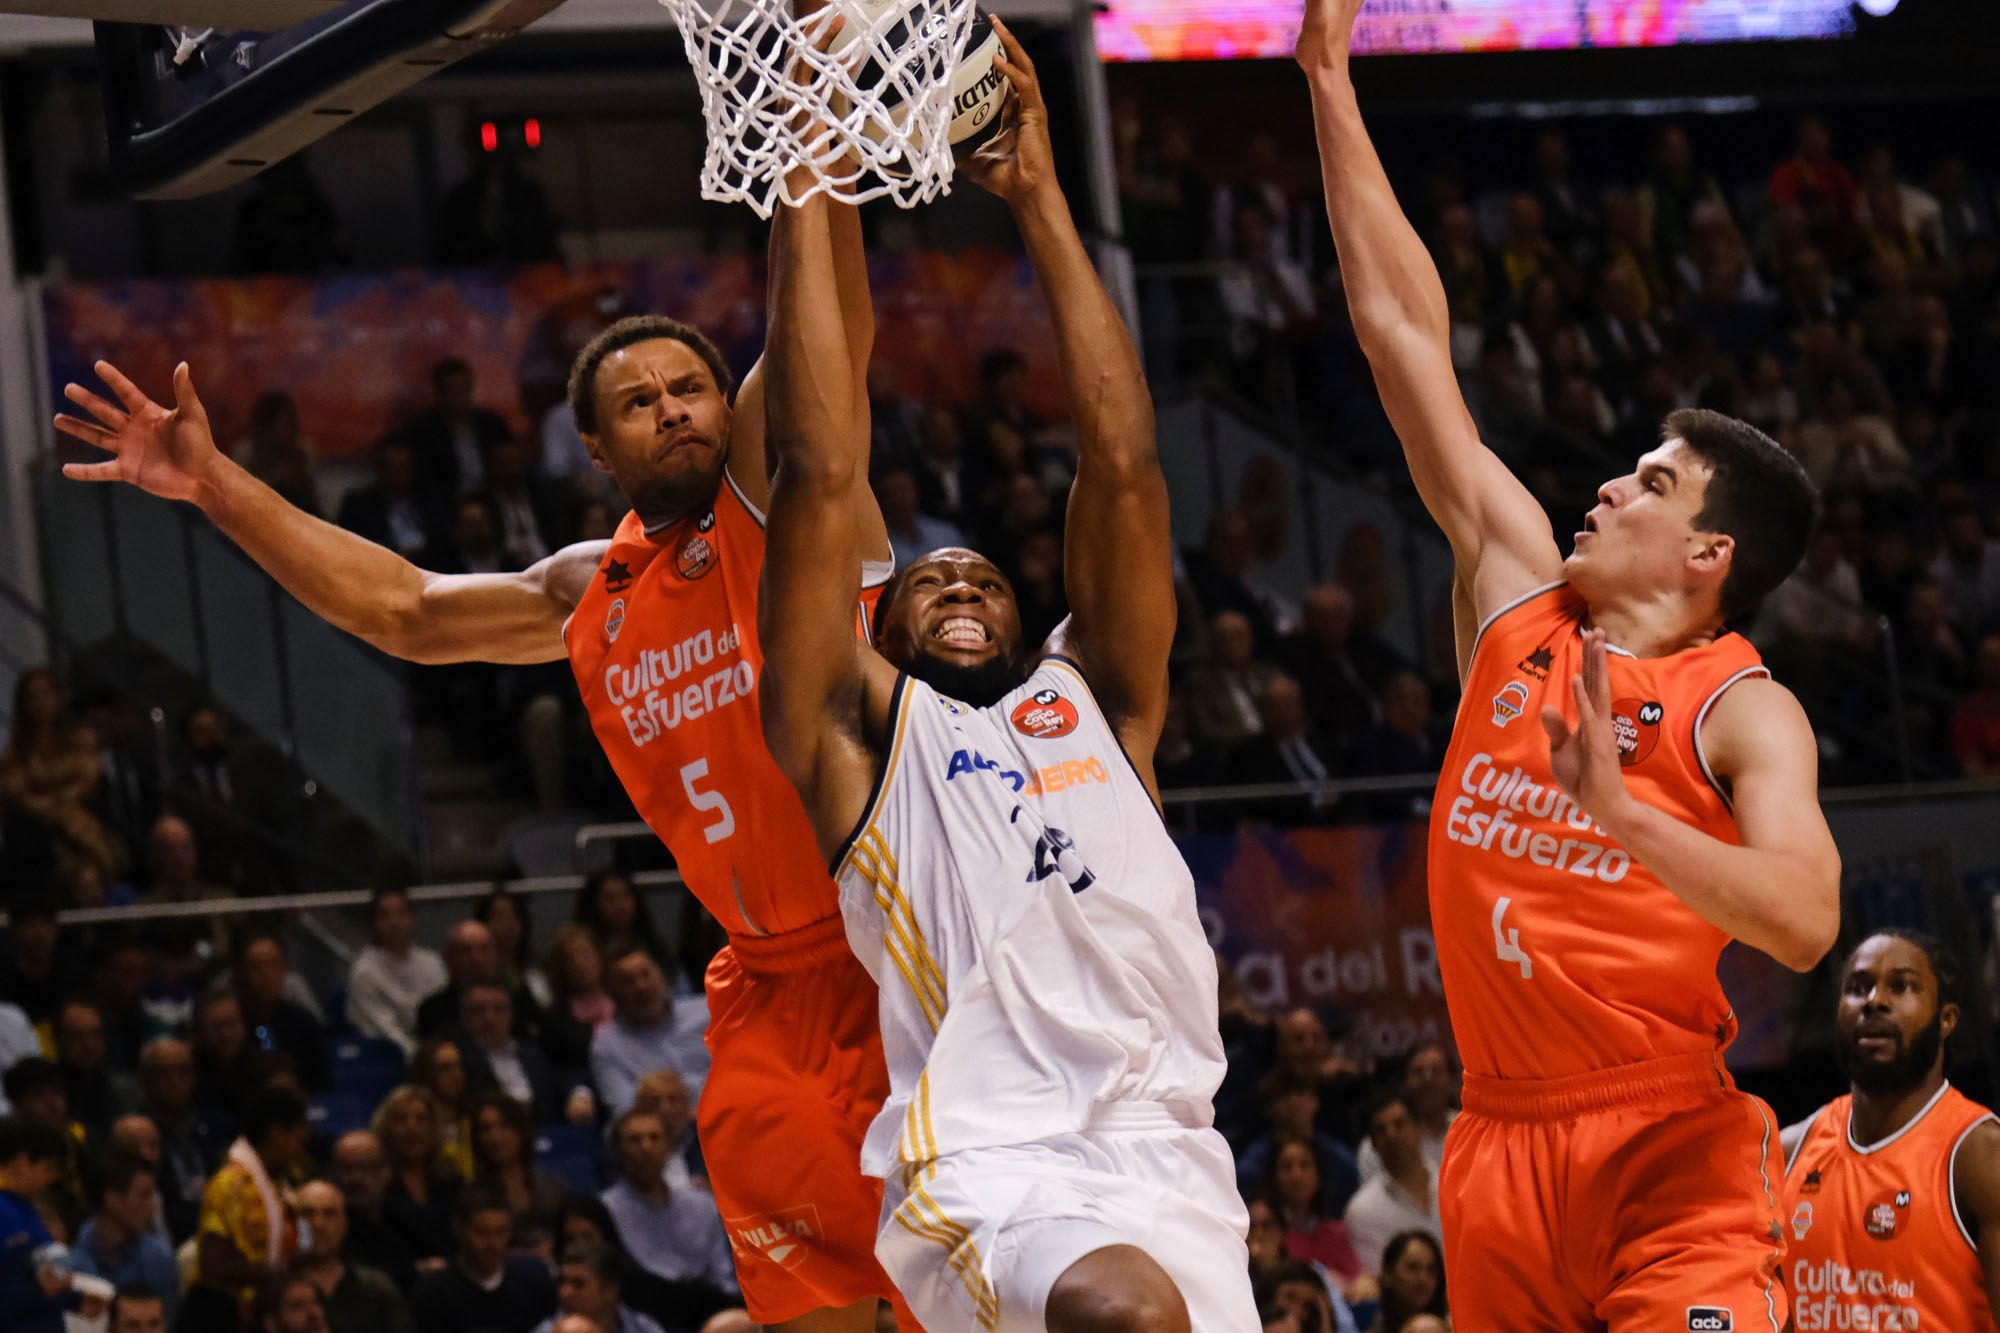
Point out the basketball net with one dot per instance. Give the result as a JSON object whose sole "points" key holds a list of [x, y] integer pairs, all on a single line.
{"points": [[857, 91]]}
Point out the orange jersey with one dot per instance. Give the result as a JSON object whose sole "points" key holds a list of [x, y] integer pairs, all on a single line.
{"points": [[1876, 1241], [1560, 954], [664, 647]]}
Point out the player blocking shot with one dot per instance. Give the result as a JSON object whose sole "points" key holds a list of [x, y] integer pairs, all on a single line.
{"points": [[660, 627], [1626, 791], [1048, 997], [1892, 1192]]}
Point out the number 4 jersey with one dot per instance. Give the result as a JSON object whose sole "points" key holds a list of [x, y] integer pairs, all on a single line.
{"points": [[664, 647], [1560, 954], [1032, 927]]}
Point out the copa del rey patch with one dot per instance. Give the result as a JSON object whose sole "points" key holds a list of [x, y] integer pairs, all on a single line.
{"points": [[1044, 715]]}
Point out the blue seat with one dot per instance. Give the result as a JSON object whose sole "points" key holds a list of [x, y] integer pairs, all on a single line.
{"points": [[336, 1113], [579, 1173], [560, 1141], [366, 1066]]}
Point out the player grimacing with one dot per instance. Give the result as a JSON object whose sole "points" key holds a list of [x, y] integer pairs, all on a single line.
{"points": [[1048, 997], [1585, 875], [659, 625], [1892, 1192]]}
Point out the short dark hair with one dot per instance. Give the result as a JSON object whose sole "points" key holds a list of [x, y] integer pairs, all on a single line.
{"points": [[114, 1174], [1943, 963], [273, 1106], [602, 1263], [1381, 1101], [1758, 496], [21, 1137], [636, 329], [476, 1198], [30, 1076]]}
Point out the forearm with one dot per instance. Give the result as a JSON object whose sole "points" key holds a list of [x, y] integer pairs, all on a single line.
{"points": [[811, 387], [1101, 371], [1771, 901], [1391, 280], [344, 579]]}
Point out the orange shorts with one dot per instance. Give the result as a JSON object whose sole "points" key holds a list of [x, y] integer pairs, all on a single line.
{"points": [[1636, 1198], [796, 1077]]}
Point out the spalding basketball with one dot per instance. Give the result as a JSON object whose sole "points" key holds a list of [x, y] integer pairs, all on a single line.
{"points": [[979, 91]]}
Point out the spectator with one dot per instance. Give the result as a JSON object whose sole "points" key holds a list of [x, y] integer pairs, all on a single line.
{"points": [[1178, 762], [665, 1094], [248, 1230], [495, 1059], [1306, 1054], [35, 1089], [471, 954], [589, 1283], [1404, 1195], [674, 1234], [38, 969], [1676, 188], [527, 527], [1001, 407], [225, 1061], [483, 1289], [275, 1022], [1975, 725], [278, 453], [1308, 1295], [610, 908], [1413, 1285], [438, 1068], [579, 1004], [290, 1303], [1291, 1110], [447, 441], [1968, 569], [233, 807], [503, 1160], [1566, 208], [423, 1184], [912, 533], [126, 964], [1222, 580], [650, 1030], [1285, 750], [947, 482], [1407, 740], [392, 975], [286, 224], [174, 854], [49, 778], [128, 754], [95, 1094], [1222, 694], [118, 1243], [506, 919], [136, 1309], [360, 1168], [1842, 447], [1340, 667], [34, 1289], [1267, 302], [499, 214], [18, 1042], [389, 511], [471, 543], [1265, 1240], [192, 1141], [134, 1135], [1430, 1089], [1295, 1191], [1823, 190], [355, 1297]]}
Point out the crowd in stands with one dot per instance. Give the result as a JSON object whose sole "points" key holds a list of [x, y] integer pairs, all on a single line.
{"points": [[491, 1139]]}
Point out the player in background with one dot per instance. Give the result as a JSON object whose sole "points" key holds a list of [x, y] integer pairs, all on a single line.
{"points": [[1892, 1192], [660, 626], [1048, 997], [1586, 875]]}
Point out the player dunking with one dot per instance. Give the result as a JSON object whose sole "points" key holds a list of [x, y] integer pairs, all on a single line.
{"points": [[1586, 873], [1048, 997], [1892, 1192], [660, 627]]}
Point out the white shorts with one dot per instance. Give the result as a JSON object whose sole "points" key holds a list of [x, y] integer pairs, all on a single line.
{"points": [[978, 1238]]}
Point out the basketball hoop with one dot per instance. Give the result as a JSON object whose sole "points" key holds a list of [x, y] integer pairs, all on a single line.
{"points": [[859, 92]]}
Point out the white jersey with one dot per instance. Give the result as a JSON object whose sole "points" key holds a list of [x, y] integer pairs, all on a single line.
{"points": [[1013, 890]]}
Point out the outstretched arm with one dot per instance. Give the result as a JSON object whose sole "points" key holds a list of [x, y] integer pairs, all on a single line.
{"points": [[816, 671], [1499, 535], [1118, 554], [345, 580]]}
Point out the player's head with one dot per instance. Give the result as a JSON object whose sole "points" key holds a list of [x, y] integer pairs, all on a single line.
{"points": [[950, 620], [651, 397], [1899, 1003], [1717, 515]]}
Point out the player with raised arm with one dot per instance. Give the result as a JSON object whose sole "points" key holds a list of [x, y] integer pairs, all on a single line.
{"points": [[660, 627], [1048, 996], [1892, 1192], [1586, 875]]}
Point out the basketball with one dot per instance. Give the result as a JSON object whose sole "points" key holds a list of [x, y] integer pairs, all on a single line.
{"points": [[978, 89]]}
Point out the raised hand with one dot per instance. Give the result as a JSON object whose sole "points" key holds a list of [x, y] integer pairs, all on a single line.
{"points": [[1585, 757], [162, 452], [1325, 32], [1019, 159]]}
